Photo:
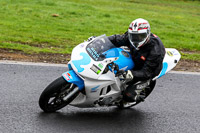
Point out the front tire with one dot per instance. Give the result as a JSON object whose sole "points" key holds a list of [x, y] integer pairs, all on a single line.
{"points": [[51, 98]]}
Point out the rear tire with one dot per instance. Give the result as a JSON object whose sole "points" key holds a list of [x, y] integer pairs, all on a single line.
{"points": [[148, 90], [51, 98]]}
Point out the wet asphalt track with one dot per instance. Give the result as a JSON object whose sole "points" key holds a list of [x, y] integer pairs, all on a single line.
{"points": [[173, 107]]}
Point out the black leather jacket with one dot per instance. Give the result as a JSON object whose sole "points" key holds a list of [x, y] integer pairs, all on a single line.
{"points": [[148, 59]]}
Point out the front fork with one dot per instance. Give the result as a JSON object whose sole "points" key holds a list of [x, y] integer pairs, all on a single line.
{"points": [[71, 77], [72, 93]]}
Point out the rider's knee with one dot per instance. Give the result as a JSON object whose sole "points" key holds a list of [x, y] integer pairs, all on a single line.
{"points": [[129, 95]]}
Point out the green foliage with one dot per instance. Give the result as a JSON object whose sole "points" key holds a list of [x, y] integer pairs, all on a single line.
{"points": [[56, 26], [190, 56]]}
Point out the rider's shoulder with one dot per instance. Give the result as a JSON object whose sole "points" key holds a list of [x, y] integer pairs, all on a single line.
{"points": [[154, 39], [156, 45]]}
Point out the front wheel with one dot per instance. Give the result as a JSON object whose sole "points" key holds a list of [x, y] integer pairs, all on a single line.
{"points": [[52, 97]]}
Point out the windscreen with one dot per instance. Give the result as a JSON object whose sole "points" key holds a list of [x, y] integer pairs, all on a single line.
{"points": [[98, 47]]}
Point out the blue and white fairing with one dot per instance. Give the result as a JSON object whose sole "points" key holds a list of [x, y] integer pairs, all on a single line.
{"points": [[89, 59]]}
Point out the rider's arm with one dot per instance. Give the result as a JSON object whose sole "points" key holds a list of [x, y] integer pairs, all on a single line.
{"points": [[119, 40], [152, 65], [147, 71]]}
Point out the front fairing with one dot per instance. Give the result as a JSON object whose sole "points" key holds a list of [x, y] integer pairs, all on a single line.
{"points": [[88, 58]]}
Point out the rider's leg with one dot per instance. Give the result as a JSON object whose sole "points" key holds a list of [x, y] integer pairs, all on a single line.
{"points": [[130, 94]]}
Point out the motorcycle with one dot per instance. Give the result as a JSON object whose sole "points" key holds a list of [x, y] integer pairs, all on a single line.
{"points": [[94, 78]]}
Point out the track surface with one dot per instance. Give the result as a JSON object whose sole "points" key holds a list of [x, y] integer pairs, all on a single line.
{"points": [[174, 106]]}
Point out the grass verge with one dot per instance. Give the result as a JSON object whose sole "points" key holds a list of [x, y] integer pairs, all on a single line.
{"points": [[56, 26]]}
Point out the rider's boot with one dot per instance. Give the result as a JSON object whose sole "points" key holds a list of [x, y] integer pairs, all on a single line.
{"points": [[130, 95]]}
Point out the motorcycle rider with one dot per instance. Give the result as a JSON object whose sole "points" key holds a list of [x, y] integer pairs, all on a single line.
{"points": [[147, 52]]}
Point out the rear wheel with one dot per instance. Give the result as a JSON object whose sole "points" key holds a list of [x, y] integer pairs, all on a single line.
{"points": [[148, 90], [52, 97]]}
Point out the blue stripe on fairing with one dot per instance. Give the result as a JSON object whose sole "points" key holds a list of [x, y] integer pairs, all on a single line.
{"points": [[164, 69], [84, 61], [95, 88]]}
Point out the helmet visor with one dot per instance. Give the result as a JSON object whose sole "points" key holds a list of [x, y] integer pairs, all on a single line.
{"points": [[136, 38]]}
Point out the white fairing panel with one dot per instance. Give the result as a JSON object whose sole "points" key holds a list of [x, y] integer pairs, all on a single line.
{"points": [[94, 89]]}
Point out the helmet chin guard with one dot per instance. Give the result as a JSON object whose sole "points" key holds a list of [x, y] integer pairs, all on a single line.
{"points": [[139, 33]]}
